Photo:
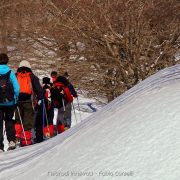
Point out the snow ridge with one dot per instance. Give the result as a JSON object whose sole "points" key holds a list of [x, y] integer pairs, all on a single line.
{"points": [[136, 136]]}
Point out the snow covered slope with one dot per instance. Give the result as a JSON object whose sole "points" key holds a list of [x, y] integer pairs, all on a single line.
{"points": [[137, 136]]}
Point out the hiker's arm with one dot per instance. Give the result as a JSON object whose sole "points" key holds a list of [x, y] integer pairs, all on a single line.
{"points": [[37, 87], [15, 84]]}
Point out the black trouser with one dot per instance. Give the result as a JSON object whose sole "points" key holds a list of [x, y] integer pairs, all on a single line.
{"points": [[67, 115], [27, 115], [39, 124], [48, 116], [6, 114]]}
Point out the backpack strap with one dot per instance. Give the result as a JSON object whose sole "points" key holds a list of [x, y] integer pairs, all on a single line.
{"points": [[6, 75]]}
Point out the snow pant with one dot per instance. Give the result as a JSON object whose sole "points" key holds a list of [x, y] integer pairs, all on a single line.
{"points": [[39, 124], [6, 114], [41, 128], [27, 116], [60, 121], [67, 115]]}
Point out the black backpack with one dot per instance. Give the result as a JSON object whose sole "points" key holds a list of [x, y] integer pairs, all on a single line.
{"points": [[6, 88], [58, 98]]}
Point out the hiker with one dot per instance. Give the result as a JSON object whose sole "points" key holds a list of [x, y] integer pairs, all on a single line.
{"points": [[30, 93], [61, 96], [67, 114], [54, 75], [48, 109], [9, 91]]}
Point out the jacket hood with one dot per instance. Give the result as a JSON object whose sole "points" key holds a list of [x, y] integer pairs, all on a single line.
{"points": [[21, 69], [61, 79], [4, 69]]}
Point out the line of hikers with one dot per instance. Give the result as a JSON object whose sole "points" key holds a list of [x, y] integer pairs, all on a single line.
{"points": [[26, 105]]}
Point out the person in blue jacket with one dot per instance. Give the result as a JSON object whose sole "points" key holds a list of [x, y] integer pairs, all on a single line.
{"points": [[9, 92]]}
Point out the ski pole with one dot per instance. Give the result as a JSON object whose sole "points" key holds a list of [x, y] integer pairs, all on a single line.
{"points": [[4, 132], [43, 118], [74, 112], [79, 109], [64, 108], [22, 124], [43, 114]]}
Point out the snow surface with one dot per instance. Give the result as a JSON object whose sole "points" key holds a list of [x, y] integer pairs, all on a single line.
{"points": [[137, 136]]}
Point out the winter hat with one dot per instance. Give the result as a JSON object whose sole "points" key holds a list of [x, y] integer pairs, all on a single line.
{"points": [[54, 73], [62, 79], [66, 74], [46, 80], [4, 58], [25, 63]]}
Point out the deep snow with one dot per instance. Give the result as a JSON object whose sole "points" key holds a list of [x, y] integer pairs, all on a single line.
{"points": [[137, 136]]}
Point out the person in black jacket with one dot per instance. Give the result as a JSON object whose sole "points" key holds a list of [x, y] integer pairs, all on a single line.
{"points": [[30, 93], [49, 108], [67, 115]]}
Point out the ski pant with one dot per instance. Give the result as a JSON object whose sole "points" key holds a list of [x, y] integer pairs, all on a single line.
{"points": [[42, 122], [67, 115], [59, 124], [39, 124], [26, 114], [60, 116], [48, 124], [49, 116], [6, 114]]}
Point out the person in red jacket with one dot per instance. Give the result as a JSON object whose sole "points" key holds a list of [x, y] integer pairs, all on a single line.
{"points": [[61, 96], [54, 75]]}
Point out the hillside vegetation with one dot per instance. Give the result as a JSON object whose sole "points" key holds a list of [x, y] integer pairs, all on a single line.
{"points": [[107, 46]]}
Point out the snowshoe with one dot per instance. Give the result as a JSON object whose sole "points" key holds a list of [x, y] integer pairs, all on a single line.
{"points": [[12, 146], [66, 128], [47, 135], [46, 138], [1, 150]]}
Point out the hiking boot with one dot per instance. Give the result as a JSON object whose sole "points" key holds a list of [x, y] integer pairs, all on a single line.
{"points": [[66, 128], [12, 145]]}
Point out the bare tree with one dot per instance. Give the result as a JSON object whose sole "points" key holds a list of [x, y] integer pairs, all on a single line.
{"points": [[109, 46]]}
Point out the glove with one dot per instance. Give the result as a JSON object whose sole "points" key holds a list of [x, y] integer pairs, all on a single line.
{"points": [[61, 92], [49, 100], [75, 96], [39, 102]]}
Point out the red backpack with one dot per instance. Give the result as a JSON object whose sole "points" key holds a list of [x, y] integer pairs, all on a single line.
{"points": [[24, 81], [61, 95]]}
